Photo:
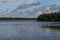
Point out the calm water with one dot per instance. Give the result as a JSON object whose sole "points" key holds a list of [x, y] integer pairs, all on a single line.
{"points": [[28, 30]]}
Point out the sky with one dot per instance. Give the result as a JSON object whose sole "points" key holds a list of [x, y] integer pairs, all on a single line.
{"points": [[9, 5], [50, 2], [12, 4]]}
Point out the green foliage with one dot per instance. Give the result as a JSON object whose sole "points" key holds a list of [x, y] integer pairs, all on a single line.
{"points": [[49, 17], [12, 18]]}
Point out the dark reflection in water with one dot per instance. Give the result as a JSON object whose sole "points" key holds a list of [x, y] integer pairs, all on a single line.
{"points": [[28, 30], [57, 28]]}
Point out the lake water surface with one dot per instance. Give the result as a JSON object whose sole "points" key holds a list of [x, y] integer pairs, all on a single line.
{"points": [[28, 30]]}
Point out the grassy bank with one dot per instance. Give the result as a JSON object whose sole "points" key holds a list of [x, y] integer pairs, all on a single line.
{"points": [[11, 18]]}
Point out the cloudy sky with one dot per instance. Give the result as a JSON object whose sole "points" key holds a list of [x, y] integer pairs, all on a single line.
{"points": [[12, 4], [9, 5]]}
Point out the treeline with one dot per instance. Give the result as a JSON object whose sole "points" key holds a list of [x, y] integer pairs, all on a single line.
{"points": [[53, 17], [13, 18]]}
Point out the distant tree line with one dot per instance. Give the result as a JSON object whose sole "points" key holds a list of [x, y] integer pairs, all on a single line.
{"points": [[13, 18], [54, 17]]}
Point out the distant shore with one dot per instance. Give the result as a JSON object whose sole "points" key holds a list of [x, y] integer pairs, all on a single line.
{"points": [[49, 17], [15, 18]]}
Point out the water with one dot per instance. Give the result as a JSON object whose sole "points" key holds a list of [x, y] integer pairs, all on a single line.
{"points": [[27, 30]]}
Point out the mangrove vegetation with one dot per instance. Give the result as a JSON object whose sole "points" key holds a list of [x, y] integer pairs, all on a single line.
{"points": [[16, 18], [53, 17]]}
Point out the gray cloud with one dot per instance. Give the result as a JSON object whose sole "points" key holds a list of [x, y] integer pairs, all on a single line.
{"points": [[32, 9], [24, 6], [8, 0]]}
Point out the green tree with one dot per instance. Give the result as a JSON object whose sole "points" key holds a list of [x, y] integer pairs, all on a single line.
{"points": [[49, 17]]}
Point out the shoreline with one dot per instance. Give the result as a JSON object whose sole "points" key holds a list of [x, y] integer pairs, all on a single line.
{"points": [[11, 18]]}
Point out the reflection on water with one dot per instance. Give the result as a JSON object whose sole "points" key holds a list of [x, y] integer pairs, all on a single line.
{"points": [[27, 30], [57, 28]]}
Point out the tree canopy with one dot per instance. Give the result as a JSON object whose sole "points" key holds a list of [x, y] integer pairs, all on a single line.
{"points": [[49, 17]]}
